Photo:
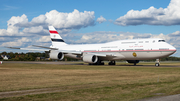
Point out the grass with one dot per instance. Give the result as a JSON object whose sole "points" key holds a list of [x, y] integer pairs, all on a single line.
{"points": [[83, 82]]}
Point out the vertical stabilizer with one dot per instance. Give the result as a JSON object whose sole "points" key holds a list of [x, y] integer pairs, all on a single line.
{"points": [[55, 37]]}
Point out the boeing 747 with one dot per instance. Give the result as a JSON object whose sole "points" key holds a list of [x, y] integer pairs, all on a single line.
{"points": [[132, 50]]}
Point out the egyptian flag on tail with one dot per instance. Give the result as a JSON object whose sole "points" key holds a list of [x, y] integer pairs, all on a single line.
{"points": [[55, 37]]}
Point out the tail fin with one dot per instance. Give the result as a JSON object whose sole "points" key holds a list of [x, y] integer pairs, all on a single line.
{"points": [[55, 37]]}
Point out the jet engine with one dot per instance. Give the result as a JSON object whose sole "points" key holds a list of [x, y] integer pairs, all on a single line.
{"points": [[89, 58], [56, 55]]}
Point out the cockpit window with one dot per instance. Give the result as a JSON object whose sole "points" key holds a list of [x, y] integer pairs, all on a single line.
{"points": [[161, 41]]}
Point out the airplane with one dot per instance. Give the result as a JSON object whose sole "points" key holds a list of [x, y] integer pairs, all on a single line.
{"points": [[132, 50]]}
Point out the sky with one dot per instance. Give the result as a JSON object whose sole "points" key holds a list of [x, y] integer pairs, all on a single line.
{"points": [[24, 23]]}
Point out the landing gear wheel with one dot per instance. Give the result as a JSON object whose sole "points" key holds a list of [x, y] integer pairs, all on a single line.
{"points": [[157, 64], [112, 63], [97, 63], [90, 63], [102, 63]]}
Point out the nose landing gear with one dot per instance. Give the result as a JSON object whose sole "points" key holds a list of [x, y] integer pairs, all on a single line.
{"points": [[157, 64]]}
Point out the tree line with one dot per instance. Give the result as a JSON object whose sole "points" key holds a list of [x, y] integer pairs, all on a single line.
{"points": [[30, 56], [34, 56]]}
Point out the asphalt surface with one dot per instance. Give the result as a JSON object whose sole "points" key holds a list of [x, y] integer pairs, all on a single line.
{"points": [[164, 98]]}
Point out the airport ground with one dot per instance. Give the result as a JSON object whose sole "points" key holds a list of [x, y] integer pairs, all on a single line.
{"points": [[67, 81]]}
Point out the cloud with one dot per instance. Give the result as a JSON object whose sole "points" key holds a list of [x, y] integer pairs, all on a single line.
{"points": [[16, 43], [38, 20], [2, 39], [74, 20], [3, 32], [44, 39], [101, 19], [64, 22], [174, 39], [38, 30], [103, 36], [60, 20], [152, 16], [175, 34], [12, 29]]}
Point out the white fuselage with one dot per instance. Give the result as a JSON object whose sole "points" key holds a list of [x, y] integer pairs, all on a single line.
{"points": [[135, 49]]}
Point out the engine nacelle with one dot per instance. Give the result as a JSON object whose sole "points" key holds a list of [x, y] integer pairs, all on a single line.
{"points": [[89, 58], [56, 55], [132, 61]]}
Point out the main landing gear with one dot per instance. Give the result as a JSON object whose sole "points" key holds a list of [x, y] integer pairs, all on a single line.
{"points": [[97, 63], [112, 63], [157, 64], [102, 63]]}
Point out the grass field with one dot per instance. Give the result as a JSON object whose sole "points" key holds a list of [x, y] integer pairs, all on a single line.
{"points": [[122, 82]]}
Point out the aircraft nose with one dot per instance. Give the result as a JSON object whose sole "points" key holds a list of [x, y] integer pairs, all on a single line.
{"points": [[173, 49]]}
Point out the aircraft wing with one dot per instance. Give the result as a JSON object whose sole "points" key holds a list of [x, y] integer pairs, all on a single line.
{"points": [[29, 49], [67, 51], [48, 49]]}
